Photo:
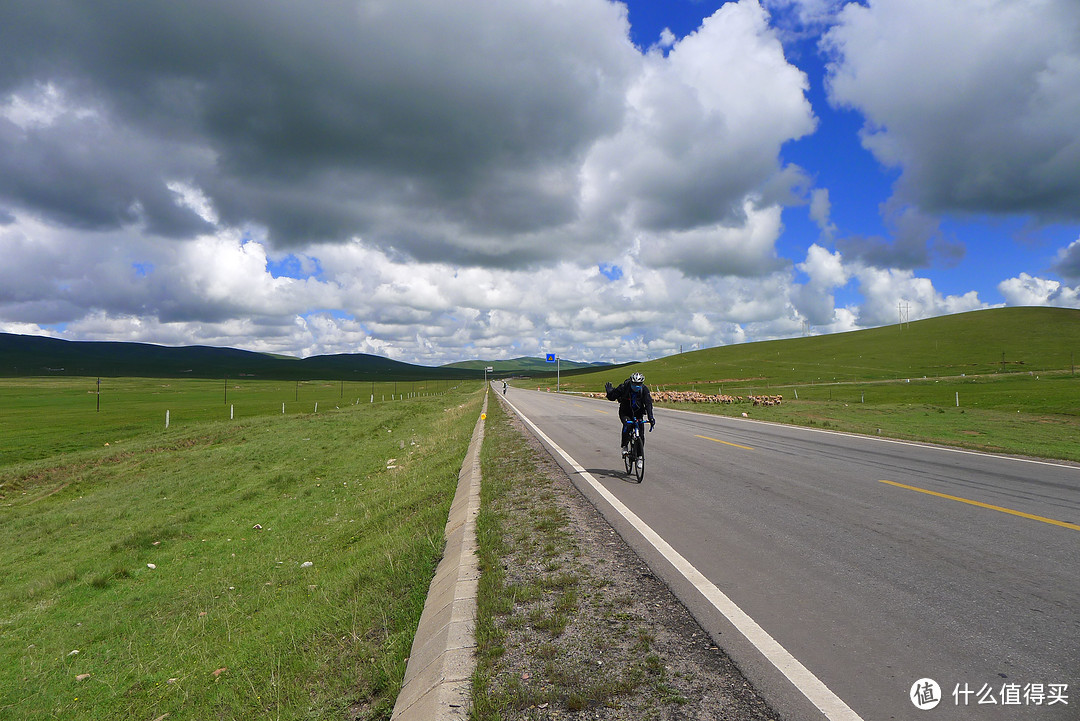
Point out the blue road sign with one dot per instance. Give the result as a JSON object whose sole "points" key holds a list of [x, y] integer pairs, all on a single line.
{"points": [[550, 357]]}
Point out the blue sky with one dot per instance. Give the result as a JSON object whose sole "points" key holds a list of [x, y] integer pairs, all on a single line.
{"points": [[610, 181]]}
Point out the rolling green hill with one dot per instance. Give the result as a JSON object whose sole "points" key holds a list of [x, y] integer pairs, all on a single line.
{"points": [[22, 355], [966, 344]]}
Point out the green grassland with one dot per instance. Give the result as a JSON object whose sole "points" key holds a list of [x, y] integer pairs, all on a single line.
{"points": [[43, 416], [80, 524], [1010, 369]]}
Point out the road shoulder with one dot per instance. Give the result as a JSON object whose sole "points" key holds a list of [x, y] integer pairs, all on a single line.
{"points": [[577, 625]]}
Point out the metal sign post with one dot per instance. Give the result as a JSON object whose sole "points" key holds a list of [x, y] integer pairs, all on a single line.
{"points": [[554, 358]]}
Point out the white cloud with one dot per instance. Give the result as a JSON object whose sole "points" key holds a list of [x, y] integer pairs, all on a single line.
{"points": [[193, 198], [820, 211], [975, 102], [826, 270], [704, 128], [27, 329], [1025, 289], [815, 301], [40, 107], [843, 320], [884, 290]]}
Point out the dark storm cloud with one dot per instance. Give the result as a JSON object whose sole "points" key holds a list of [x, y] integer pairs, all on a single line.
{"points": [[916, 241], [1068, 262], [310, 118], [85, 174]]}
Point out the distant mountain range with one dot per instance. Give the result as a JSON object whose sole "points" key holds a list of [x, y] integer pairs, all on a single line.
{"points": [[23, 355], [523, 365]]}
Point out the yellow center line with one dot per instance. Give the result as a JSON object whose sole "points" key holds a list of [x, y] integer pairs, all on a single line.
{"points": [[600, 411], [717, 440], [1051, 521]]}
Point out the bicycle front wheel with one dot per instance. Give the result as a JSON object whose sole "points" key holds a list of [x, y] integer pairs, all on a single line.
{"points": [[639, 465]]}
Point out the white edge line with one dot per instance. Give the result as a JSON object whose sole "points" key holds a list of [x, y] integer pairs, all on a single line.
{"points": [[808, 684]]}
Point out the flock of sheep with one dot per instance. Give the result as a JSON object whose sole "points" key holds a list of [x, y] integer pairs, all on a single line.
{"points": [[697, 397]]}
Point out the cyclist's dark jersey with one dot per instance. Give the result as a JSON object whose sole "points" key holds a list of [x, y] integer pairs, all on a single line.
{"points": [[634, 399]]}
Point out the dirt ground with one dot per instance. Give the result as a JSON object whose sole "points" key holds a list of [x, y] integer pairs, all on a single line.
{"points": [[591, 632]]}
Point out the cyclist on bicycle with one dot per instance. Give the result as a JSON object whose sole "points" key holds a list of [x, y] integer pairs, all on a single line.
{"points": [[635, 402]]}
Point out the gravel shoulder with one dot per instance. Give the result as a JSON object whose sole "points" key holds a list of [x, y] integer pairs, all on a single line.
{"points": [[572, 624]]}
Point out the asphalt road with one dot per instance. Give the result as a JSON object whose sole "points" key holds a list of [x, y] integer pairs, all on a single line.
{"points": [[873, 563]]}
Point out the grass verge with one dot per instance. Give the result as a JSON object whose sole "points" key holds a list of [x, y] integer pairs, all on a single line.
{"points": [[273, 567], [1020, 415]]}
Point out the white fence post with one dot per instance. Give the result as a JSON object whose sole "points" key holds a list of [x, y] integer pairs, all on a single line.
{"points": [[166, 420], [231, 409]]}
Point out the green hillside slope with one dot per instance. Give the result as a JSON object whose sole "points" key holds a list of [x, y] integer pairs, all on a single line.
{"points": [[982, 342]]}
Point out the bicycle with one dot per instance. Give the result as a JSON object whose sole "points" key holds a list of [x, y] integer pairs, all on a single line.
{"points": [[635, 457]]}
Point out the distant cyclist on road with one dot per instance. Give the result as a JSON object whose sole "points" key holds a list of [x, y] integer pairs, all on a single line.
{"points": [[635, 402]]}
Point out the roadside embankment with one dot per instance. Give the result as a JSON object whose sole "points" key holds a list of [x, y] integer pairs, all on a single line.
{"points": [[437, 684]]}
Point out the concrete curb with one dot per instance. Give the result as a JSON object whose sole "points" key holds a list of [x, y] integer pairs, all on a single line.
{"points": [[438, 677]]}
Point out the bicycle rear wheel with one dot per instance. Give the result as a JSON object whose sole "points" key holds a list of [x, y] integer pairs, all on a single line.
{"points": [[628, 459], [639, 465]]}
